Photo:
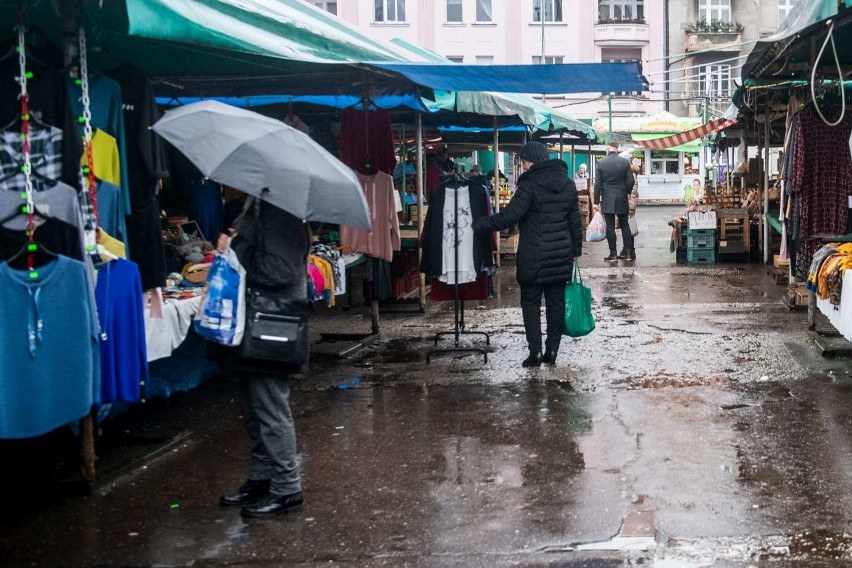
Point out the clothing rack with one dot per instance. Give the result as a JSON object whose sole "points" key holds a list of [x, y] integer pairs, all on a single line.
{"points": [[458, 304]]}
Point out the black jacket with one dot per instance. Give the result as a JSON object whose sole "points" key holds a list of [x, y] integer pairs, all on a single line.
{"points": [[546, 208], [431, 262], [613, 183]]}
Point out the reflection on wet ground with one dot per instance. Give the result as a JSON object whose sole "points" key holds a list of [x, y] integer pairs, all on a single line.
{"points": [[696, 426]]}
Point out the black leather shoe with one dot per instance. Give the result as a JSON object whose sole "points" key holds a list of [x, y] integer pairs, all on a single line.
{"points": [[630, 254], [549, 358], [248, 493], [623, 254], [272, 504], [534, 360], [612, 257]]}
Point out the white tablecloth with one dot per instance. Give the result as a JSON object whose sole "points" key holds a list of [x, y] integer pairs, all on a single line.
{"points": [[166, 334], [840, 318]]}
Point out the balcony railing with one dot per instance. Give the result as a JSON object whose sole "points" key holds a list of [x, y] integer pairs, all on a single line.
{"points": [[622, 32], [715, 27], [622, 21]]}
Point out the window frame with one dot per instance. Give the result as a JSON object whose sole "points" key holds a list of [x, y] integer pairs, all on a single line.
{"points": [[637, 8], [785, 7], [477, 57], [383, 4], [460, 4], [323, 5], [455, 58], [707, 9], [555, 10], [490, 20], [715, 80], [548, 59]]}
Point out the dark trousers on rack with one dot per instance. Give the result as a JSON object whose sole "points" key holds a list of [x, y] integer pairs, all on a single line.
{"points": [[626, 235], [554, 300]]}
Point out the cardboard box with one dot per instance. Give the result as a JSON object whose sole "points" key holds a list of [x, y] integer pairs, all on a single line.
{"points": [[778, 261]]}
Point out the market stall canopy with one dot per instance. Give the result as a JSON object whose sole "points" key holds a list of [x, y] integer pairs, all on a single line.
{"points": [[660, 123], [675, 140], [539, 114], [222, 47], [787, 53], [554, 79], [690, 147]]}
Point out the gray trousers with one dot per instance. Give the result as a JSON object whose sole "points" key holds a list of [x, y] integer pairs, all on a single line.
{"points": [[266, 398]]}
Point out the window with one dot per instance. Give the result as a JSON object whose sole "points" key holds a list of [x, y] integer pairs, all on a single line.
{"points": [[621, 10], [390, 10], [483, 11], [456, 58], [548, 59], [665, 162], [454, 12], [715, 80], [330, 6], [784, 9], [714, 10], [552, 10], [485, 60]]}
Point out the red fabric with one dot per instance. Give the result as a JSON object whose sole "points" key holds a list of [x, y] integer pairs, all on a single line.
{"points": [[433, 178], [474, 291], [367, 136]]}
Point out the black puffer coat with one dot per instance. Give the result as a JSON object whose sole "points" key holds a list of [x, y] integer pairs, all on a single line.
{"points": [[546, 208]]}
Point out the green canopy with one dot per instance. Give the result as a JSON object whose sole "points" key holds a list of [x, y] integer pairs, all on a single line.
{"points": [[530, 111]]}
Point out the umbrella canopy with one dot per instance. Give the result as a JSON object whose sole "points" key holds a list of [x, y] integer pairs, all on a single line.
{"points": [[266, 158]]}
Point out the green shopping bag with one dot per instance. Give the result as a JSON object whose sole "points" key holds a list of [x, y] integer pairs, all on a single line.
{"points": [[578, 307]]}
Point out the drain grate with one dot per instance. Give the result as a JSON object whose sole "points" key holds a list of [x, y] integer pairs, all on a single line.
{"points": [[639, 523]]}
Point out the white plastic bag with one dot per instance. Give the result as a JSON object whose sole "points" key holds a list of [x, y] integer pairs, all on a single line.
{"points": [[634, 226], [596, 231], [222, 314]]}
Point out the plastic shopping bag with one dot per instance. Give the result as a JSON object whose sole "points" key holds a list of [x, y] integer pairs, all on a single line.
{"points": [[634, 226], [596, 231], [222, 314], [579, 320]]}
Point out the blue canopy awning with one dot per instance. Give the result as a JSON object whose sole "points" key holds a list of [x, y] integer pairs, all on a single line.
{"points": [[546, 79], [334, 101]]}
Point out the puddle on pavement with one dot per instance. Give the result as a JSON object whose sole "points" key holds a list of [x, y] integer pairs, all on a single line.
{"points": [[662, 380]]}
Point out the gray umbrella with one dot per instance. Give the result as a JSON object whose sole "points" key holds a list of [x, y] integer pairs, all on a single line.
{"points": [[266, 158]]}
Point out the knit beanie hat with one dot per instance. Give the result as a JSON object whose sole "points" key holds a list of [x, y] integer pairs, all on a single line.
{"points": [[535, 152]]}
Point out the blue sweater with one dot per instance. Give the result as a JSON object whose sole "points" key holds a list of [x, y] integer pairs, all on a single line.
{"points": [[124, 361], [49, 356]]}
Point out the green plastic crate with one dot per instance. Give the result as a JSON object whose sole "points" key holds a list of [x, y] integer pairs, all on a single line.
{"points": [[701, 241], [701, 256]]}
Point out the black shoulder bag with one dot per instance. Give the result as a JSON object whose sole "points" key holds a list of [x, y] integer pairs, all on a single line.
{"points": [[276, 327]]}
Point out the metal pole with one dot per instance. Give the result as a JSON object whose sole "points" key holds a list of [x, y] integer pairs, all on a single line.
{"points": [[561, 149], [609, 113], [497, 180], [766, 131], [419, 184], [543, 95]]}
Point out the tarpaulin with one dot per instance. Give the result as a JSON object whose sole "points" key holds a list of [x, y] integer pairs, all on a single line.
{"points": [[682, 138]]}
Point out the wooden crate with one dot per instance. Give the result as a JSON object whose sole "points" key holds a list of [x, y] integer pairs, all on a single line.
{"points": [[509, 245], [778, 261], [780, 274]]}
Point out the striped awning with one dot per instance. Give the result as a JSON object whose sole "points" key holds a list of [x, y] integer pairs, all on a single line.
{"points": [[688, 136]]}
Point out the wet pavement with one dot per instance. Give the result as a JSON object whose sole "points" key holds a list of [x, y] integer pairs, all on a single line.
{"points": [[697, 426]]}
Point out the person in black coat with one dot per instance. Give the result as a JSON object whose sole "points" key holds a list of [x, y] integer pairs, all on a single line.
{"points": [[546, 208], [613, 185]]}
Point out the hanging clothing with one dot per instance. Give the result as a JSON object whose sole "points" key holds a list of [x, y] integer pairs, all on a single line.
{"points": [[49, 356], [46, 156], [107, 114], [146, 165], [124, 359], [54, 235], [112, 246], [367, 136], [341, 281], [384, 238], [477, 290], [47, 102], [432, 241], [458, 261], [379, 280], [111, 210], [327, 292], [105, 157], [205, 207]]}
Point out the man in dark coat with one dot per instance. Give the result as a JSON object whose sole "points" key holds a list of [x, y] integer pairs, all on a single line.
{"points": [[613, 184], [547, 210]]}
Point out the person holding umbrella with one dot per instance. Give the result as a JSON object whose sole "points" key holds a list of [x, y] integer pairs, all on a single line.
{"points": [[290, 179], [273, 246]]}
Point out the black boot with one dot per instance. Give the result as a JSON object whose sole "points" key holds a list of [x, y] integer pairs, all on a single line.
{"points": [[272, 504], [612, 257], [248, 493], [549, 357], [630, 254], [534, 360], [623, 254]]}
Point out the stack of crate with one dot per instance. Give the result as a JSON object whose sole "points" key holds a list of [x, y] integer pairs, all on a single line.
{"points": [[701, 246]]}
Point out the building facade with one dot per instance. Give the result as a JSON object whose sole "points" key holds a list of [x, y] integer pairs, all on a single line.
{"points": [[713, 38], [527, 32]]}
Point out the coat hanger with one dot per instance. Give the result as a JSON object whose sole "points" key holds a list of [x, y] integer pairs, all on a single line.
{"points": [[50, 182], [38, 250]]}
